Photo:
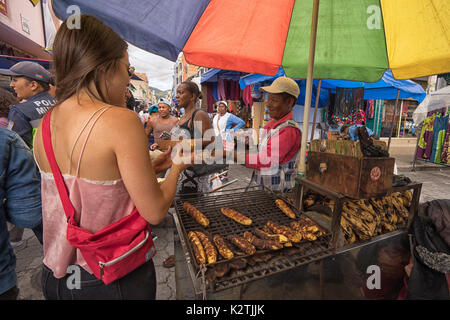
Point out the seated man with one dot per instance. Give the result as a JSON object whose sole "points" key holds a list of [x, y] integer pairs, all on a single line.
{"points": [[280, 142]]}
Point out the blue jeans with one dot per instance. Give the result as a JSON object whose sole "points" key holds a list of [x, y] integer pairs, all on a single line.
{"points": [[140, 284]]}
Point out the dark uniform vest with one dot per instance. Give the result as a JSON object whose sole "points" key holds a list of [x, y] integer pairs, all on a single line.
{"points": [[25, 117]]}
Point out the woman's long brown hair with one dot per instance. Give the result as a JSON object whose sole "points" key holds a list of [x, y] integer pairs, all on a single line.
{"points": [[84, 56]]}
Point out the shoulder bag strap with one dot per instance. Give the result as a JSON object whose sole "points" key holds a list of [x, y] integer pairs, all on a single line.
{"points": [[62, 189], [191, 127]]}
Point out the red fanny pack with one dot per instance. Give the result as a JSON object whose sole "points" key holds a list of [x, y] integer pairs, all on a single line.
{"points": [[115, 250]]}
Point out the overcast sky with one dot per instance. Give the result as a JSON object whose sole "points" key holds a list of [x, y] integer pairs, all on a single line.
{"points": [[159, 70]]}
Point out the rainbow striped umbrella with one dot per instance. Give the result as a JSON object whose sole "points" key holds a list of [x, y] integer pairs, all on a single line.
{"points": [[338, 39], [356, 39]]}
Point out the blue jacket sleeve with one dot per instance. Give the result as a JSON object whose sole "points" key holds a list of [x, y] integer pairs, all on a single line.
{"points": [[22, 187], [232, 119]]}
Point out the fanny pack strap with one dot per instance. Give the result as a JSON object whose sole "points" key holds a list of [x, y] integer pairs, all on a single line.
{"points": [[59, 180]]}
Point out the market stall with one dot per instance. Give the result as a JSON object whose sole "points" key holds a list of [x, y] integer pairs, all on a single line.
{"points": [[391, 39]]}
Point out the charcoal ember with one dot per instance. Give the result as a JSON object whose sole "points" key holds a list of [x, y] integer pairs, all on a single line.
{"points": [[238, 264]]}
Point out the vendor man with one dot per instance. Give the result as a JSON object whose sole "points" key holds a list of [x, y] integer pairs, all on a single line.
{"points": [[30, 82], [280, 142]]}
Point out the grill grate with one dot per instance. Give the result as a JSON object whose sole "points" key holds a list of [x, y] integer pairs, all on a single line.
{"points": [[258, 204]]}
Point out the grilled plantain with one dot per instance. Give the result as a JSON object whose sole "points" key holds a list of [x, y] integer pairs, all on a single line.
{"points": [[269, 236], [285, 208], [196, 214], [292, 235], [197, 246], [210, 250], [221, 246], [242, 244], [236, 216], [261, 243]]}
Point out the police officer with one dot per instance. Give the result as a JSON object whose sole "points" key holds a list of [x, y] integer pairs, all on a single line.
{"points": [[30, 82]]}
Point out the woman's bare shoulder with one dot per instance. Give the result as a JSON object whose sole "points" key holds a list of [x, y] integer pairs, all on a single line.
{"points": [[121, 117]]}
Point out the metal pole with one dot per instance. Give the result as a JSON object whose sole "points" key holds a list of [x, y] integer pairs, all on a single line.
{"points": [[315, 110], [404, 123], [309, 80], [400, 119], [392, 122]]}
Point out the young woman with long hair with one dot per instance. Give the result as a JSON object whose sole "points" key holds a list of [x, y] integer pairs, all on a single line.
{"points": [[101, 149]]}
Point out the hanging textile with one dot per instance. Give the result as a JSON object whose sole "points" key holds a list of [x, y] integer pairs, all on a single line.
{"points": [[214, 91], [221, 89], [357, 99], [370, 109], [426, 138], [445, 156], [234, 90], [210, 97], [247, 96], [439, 131]]}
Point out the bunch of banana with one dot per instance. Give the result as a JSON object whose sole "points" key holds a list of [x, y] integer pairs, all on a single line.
{"points": [[397, 201], [350, 236], [407, 198], [363, 223]]}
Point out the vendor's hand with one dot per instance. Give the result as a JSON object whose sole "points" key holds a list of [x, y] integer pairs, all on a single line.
{"points": [[154, 146], [163, 162], [181, 160]]}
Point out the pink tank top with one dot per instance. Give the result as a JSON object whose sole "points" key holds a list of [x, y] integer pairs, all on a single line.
{"points": [[97, 204]]}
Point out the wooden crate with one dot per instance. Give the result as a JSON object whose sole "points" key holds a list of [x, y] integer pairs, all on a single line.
{"points": [[351, 176]]}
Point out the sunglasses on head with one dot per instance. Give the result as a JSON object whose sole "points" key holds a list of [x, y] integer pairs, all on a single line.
{"points": [[130, 71]]}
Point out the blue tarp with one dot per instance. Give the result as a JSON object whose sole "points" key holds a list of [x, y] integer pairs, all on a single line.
{"points": [[151, 25], [266, 80], [385, 89], [213, 75]]}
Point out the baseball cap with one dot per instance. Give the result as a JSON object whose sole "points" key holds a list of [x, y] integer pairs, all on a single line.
{"points": [[223, 102], [162, 100], [283, 84], [28, 69]]}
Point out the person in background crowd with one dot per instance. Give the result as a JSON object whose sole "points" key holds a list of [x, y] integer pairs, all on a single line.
{"points": [[107, 171], [20, 196], [162, 124], [280, 144], [152, 112], [187, 96], [30, 81], [224, 124], [7, 99], [352, 131]]}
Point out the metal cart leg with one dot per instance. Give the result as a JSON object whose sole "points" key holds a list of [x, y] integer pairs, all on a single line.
{"points": [[321, 275], [242, 290]]}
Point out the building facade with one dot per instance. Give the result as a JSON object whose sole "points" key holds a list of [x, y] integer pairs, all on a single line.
{"points": [[141, 90], [23, 28]]}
